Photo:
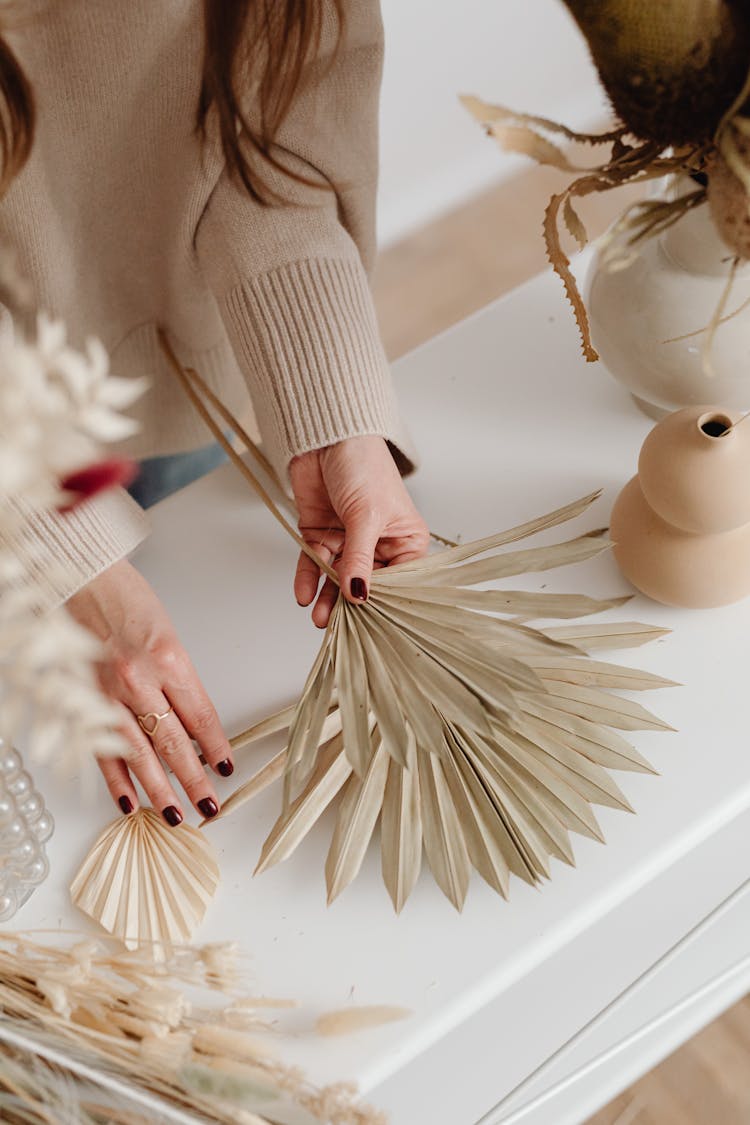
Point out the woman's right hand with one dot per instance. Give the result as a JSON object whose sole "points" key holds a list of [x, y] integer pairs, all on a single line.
{"points": [[145, 669]]}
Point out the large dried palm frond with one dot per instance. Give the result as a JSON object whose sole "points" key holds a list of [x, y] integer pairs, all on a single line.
{"points": [[438, 710], [479, 739]]}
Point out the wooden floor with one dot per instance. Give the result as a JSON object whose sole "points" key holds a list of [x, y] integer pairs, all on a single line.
{"points": [[423, 285]]}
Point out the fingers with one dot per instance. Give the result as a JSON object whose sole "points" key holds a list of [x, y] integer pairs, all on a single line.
{"points": [[145, 669], [418, 546], [169, 746], [306, 580], [363, 529], [119, 783], [145, 765], [201, 722], [172, 744], [325, 603]]}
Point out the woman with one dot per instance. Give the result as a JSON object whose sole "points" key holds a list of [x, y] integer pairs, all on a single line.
{"points": [[209, 168]]}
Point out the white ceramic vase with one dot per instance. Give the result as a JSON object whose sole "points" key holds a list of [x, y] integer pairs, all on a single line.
{"points": [[672, 287]]}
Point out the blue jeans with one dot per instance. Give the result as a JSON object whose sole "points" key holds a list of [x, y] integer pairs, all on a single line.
{"points": [[159, 477]]}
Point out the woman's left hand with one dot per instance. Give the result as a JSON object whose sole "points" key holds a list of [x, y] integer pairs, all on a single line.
{"points": [[355, 512]]}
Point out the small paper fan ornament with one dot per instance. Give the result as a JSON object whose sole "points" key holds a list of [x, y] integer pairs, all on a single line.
{"points": [[146, 883], [436, 709]]}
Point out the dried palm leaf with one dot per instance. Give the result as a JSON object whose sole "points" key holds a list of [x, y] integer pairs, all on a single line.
{"points": [[146, 883], [614, 634], [468, 734]]}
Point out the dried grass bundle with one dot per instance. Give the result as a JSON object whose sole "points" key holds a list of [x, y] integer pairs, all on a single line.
{"points": [[88, 1036], [475, 736]]}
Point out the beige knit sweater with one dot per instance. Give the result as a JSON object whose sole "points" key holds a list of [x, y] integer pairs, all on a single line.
{"points": [[124, 220]]}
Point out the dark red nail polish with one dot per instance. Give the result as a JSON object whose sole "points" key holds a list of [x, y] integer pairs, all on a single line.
{"points": [[126, 805], [358, 588], [226, 768], [172, 815], [208, 807]]}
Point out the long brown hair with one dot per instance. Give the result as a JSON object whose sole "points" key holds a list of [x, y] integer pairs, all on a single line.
{"points": [[257, 46], [262, 46], [16, 116]]}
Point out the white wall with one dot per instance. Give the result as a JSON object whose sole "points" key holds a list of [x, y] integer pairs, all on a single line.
{"points": [[527, 54]]}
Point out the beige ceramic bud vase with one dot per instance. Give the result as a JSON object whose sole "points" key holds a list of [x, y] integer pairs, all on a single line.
{"points": [[681, 527]]}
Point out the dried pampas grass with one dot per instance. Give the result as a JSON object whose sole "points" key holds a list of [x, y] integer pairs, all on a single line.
{"points": [[88, 1036], [470, 735]]}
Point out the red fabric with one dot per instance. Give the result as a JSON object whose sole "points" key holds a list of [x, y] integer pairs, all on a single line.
{"points": [[87, 482]]}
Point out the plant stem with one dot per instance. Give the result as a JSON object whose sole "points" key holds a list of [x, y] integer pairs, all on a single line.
{"points": [[189, 380]]}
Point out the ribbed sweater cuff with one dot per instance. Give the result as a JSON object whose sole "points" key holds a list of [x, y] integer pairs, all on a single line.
{"points": [[307, 338], [61, 553]]}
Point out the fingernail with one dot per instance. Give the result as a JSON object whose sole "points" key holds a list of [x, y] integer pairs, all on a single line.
{"points": [[172, 815], [208, 807], [358, 588], [226, 768], [126, 805]]}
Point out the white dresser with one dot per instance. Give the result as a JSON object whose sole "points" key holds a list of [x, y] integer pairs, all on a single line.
{"points": [[648, 936]]}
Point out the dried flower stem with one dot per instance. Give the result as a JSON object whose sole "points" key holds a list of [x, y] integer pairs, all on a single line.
{"points": [[190, 379], [125, 1024]]}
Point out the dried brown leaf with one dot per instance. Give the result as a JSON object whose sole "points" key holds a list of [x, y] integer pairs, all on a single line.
{"points": [[353, 692], [251, 788], [530, 604], [532, 843], [566, 800], [612, 635], [417, 681], [537, 804], [560, 263], [464, 551], [281, 720], [358, 812], [444, 842], [600, 707], [401, 828], [385, 702], [529, 561], [331, 772], [483, 831], [595, 673], [487, 114], [487, 675], [525, 141], [574, 225]]}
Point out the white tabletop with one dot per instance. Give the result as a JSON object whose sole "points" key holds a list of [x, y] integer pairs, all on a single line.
{"points": [[511, 423]]}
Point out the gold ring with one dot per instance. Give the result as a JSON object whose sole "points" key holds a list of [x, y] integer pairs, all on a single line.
{"points": [[144, 721]]}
